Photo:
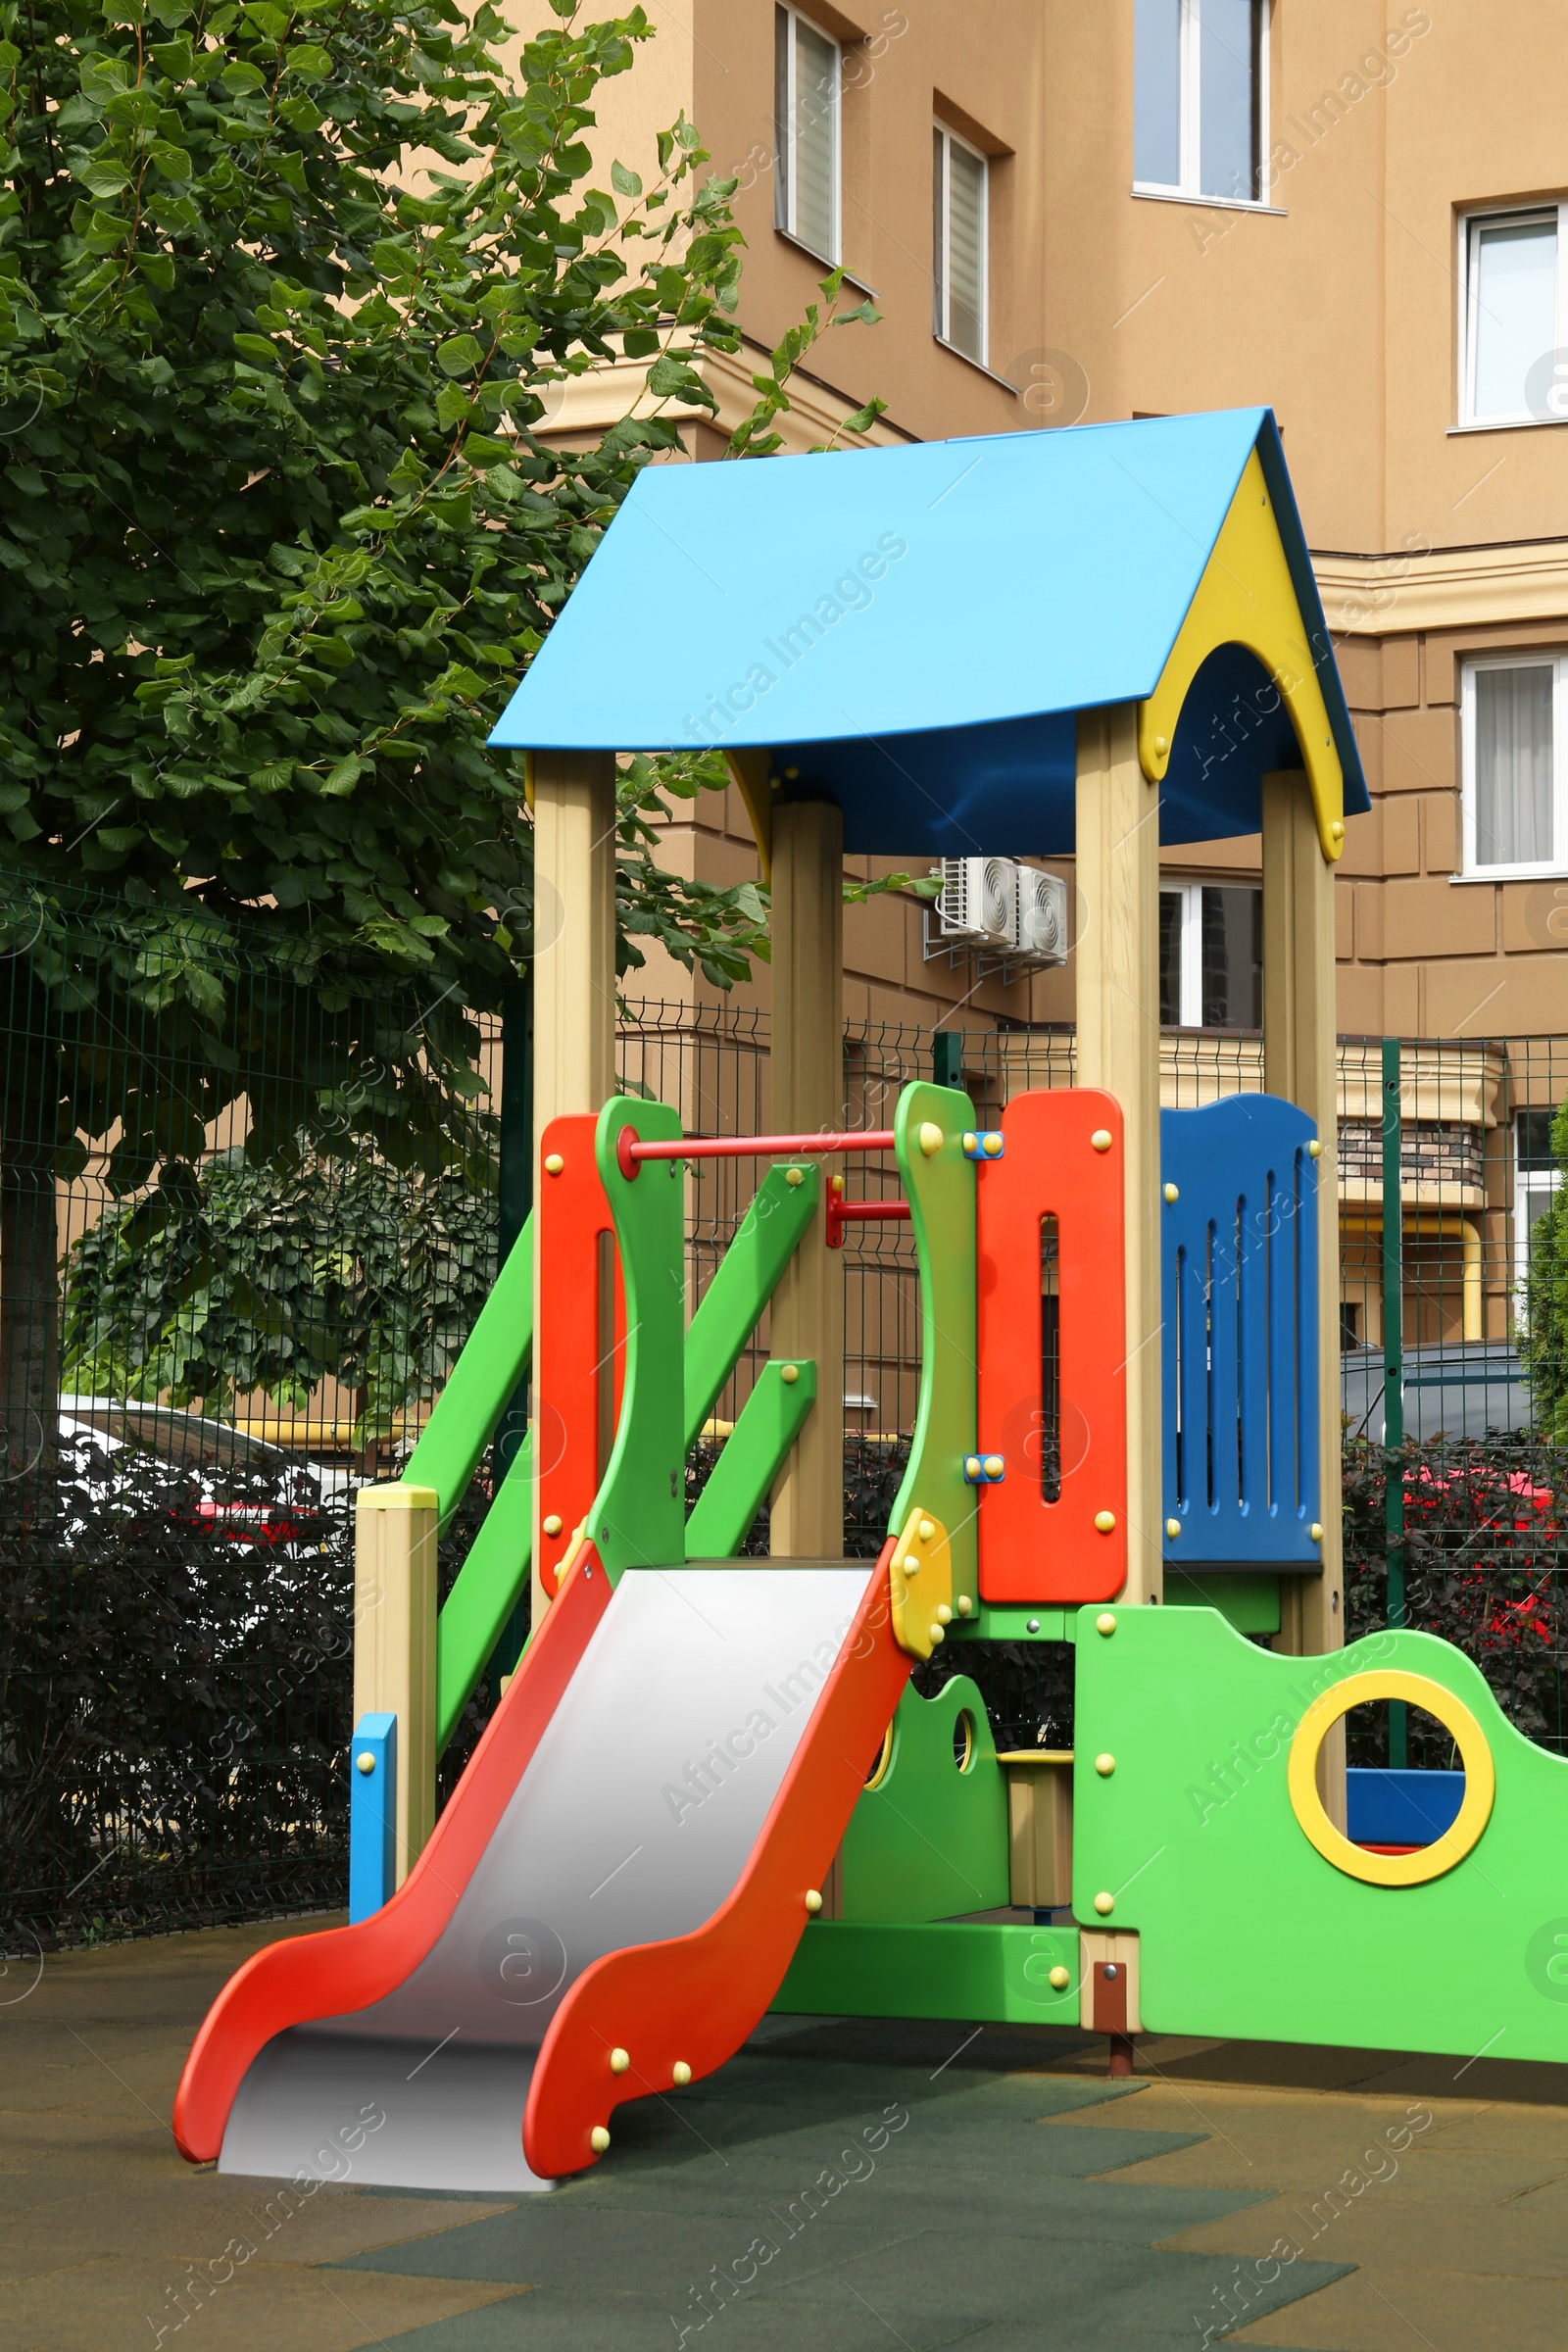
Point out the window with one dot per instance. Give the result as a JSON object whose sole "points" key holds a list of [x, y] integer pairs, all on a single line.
{"points": [[805, 127], [1515, 821], [1211, 956], [1201, 97], [1535, 1178], [960, 190], [1513, 307]]}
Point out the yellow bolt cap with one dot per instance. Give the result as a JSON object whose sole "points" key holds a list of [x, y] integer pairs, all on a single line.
{"points": [[912, 1566], [619, 2062], [944, 1613], [937, 1636], [930, 1136], [1104, 1766], [789, 1374], [1315, 1531], [1172, 1191], [365, 1761], [795, 1175], [680, 2074], [994, 1465], [1104, 1623], [1101, 1139], [554, 1163], [553, 1524], [1336, 830], [1173, 1528], [966, 1604], [599, 2140], [1104, 1521], [814, 1902], [1105, 1904], [971, 1142], [1161, 746], [991, 1145], [1314, 1150], [1060, 1979], [928, 1529]]}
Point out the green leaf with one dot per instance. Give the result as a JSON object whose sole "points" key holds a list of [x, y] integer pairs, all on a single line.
{"points": [[458, 355], [623, 181], [258, 348]]}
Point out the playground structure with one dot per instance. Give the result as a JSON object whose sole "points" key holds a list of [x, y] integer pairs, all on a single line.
{"points": [[708, 1788]]}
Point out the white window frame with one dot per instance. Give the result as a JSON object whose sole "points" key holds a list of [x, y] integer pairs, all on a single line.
{"points": [[1527, 1183], [1188, 187], [1527, 871], [942, 289], [1470, 226], [786, 182], [1189, 975]]}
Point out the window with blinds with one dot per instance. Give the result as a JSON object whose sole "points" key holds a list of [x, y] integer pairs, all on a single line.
{"points": [[1514, 777], [807, 89], [959, 266]]}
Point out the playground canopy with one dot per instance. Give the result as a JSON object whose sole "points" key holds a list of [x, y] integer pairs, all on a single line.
{"points": [[912, 632]]}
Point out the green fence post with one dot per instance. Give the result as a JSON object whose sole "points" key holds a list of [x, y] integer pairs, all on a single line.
{"points": [[1393, 1375], [516, 1199], [947, 1057]]}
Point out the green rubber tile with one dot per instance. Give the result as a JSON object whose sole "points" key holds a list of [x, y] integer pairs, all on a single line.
{"points": [[589, 2322]]}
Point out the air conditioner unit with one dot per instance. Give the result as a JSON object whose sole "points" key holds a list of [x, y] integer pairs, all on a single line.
{"points": [[978, 902], [1042, 916]]}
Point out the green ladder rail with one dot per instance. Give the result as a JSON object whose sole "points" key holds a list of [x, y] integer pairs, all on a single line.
{"points": [[497, 1356]]}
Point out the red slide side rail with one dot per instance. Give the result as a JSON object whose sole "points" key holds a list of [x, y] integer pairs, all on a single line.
{"points": [[576, 1392], [693, 2000], [344, 1968]]}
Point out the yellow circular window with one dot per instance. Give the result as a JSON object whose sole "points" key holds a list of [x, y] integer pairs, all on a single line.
{"points": [[1480, 1779]]}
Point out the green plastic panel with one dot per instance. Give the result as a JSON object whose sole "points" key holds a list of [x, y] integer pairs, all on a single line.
{"points": [[487, 1591], [1245, 1930], [746, 1278], [638, 1518], [966, 1970], [480, 1385], [930, 1841], [940, 1190], [752, 1458], [1251, 1603]]}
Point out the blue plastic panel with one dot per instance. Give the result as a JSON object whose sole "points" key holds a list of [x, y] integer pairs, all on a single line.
{"points": [[1239, 1335], [373, 1814], [1400, 1808]]}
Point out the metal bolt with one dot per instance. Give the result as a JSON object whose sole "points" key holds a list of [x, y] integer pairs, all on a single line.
{"points": [[1033, 1626]]}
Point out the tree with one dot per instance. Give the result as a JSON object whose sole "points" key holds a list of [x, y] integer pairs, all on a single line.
{"points": [[279, 533]]}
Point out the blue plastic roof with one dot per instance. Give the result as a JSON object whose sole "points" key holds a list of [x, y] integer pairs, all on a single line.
{"points": [[913, 629]]}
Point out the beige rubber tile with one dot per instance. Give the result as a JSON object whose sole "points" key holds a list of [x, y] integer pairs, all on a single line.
{"points": [[1453, 2210], [108, 2236]]}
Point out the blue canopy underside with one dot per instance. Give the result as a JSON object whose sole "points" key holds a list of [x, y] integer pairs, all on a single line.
{"points": [[914, 630]]}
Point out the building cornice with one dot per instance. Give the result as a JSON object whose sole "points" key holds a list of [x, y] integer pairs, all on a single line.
{"points": [[1444, 588], [588, 405]]}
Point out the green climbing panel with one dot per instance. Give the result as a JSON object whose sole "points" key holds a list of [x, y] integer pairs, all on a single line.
{"points": [[930, 1840]]}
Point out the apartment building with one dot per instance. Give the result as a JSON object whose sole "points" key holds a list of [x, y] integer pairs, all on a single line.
{"points": [[1354, 212]]}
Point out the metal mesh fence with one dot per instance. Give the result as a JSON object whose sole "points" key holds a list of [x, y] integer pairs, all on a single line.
{"points": [[246, 1221]]}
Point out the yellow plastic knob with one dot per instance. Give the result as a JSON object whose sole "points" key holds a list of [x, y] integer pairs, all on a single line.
{"points": [[789, 1374], [1060, 1979], [1105, 1765], [1315, 1531], [554, 1163], [944, 1613], [1173, 1528], [1173, 1192], [994, 1465], [966, 1604], [930, 1136], [928, 1530], [1104, 1521], [814, 1902], [680, 2074], [795, 1175], [937, 1636], [1105, 1904], [553, 1524], [1104, 1623], [599, 2140], [364, 1760], [619, 2062], [1101, 1139]]}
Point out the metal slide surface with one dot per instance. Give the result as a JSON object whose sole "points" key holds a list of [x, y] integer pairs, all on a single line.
{"points": [[633, 1821]]}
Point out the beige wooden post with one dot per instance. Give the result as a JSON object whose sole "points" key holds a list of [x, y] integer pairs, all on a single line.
{"points": [[394, 1645], [1116, 957], [1300, 1061], [574, 960], [808, 1087]]}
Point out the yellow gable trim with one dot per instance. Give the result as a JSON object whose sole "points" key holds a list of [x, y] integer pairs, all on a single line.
{"points": [[749, 770], [1245, 597]]}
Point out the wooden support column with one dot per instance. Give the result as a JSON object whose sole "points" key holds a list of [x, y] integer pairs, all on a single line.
{"points": [[1116, 957], [808, 1083], [394, 1646], [1300, 1061], [574, 960]]}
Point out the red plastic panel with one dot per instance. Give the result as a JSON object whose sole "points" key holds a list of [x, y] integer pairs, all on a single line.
{"points": [[696, 1997], [347, 1968], [571, 1212], [1032, 1549]]}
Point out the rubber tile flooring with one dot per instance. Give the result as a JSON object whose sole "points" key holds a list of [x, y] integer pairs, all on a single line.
{"points": [[841, 2186]]}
